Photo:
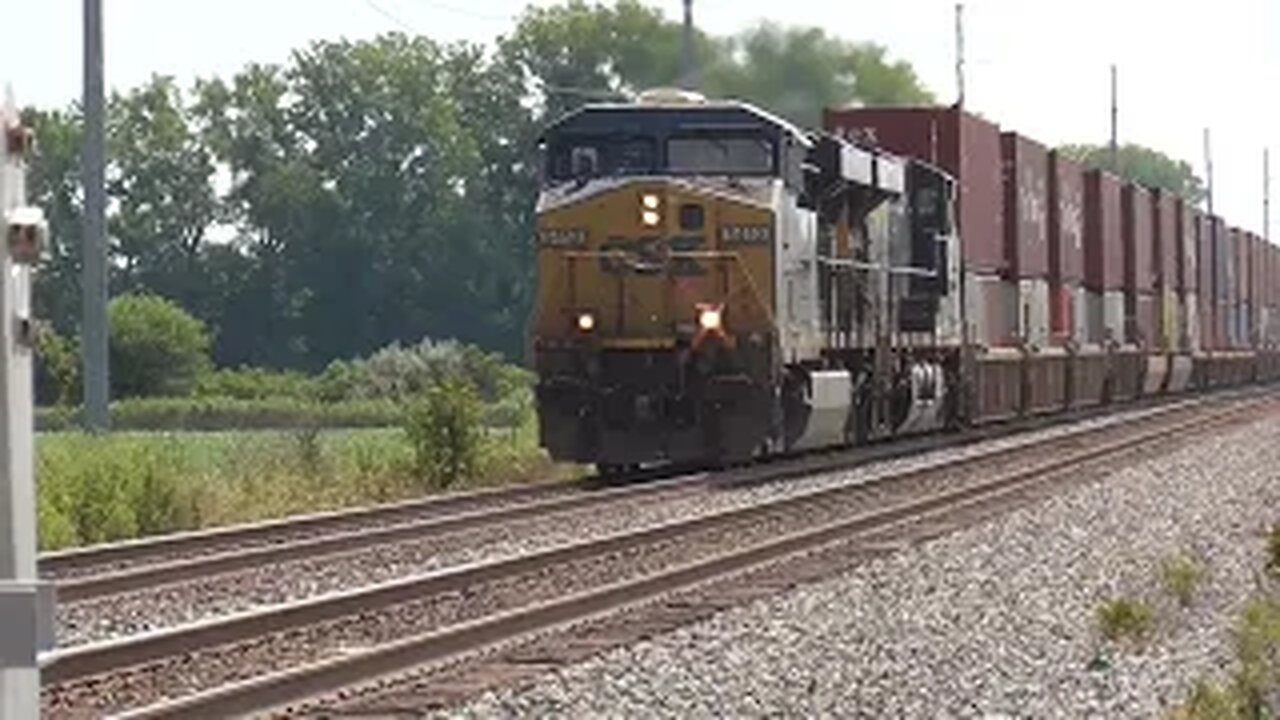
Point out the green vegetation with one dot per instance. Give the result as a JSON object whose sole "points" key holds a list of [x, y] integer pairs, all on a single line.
{"points": [[368, 204], [1125, 619], [98, 489], [1181, 575], [157, 348], [1254, 683], [443, 428]]}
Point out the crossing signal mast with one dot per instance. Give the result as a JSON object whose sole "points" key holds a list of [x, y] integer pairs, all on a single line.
{"points": [[25, 603]]}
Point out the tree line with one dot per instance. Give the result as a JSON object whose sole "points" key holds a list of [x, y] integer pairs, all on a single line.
{"points": [[380, 191]]}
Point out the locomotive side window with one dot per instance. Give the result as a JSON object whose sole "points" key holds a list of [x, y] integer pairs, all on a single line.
{"points": [[720, 155]]}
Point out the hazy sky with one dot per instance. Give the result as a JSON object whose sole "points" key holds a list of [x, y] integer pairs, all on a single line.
{"points": [[1037, 67]]}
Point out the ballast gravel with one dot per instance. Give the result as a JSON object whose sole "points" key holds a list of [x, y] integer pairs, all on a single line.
{"points": [[997, 620], [136, 612]]}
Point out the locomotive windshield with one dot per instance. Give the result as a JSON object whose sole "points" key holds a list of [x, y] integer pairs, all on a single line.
{"points": [[712, 155]]}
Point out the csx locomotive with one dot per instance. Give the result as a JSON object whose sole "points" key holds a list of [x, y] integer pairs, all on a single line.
{"points": [[715, 283]]}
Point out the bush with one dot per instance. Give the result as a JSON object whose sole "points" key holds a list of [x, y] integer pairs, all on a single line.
{"points": [[157, 348], [397, 372], [443, 426], [1125, 618], [256, 384], [1181, 575]]}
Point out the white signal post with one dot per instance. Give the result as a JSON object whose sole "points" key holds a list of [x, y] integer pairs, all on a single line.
{"points": [[25, 603]]}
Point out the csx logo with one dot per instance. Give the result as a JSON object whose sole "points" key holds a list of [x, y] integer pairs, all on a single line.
{"points": [[649, 255]]}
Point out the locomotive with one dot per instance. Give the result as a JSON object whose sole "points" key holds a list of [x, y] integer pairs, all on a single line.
{"points": [[716, 284]]}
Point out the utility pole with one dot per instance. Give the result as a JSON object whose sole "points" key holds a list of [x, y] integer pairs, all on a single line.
{"points": [[93, 286], [960, 55], [1266, 194], [25, 604], [688, 69], [1115, 112], [1208, 171]]}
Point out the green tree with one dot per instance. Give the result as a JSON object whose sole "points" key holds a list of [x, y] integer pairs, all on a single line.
{"points": [[53, 183], [156, 347], [1142, 165], [798, 72], [576, 53], [161, 180]]}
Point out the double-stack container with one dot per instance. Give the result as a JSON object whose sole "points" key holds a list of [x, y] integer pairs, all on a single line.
{"points": [[1224, 285], [1166, 248], [1139, 267], [1208, 291], [1239, 299], [1026, 234], [967, 147], [1104, 258], [1188, 269], [1067, 306]]}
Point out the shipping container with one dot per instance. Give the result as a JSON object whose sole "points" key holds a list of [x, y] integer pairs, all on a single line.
{"points": [[1224, 282], [1103, 243], [1135, 213], [1066, 220], [1188, 232], [1026, 200], [1240, 246], [964, 145], [1208, 290], [1164, 236]]}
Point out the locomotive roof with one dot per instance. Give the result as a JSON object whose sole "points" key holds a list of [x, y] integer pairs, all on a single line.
{"points": [[668, 119]]}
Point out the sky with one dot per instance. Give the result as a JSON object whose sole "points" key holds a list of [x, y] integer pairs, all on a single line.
{"points": [[1038, 67]]}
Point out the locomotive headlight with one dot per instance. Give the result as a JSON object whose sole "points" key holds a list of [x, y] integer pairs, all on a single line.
{"points": [[710, 318], [586, 322], [650, 218], [650, 201]]}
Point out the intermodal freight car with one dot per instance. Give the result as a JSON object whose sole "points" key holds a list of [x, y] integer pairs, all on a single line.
{"points": [[716, 284]]}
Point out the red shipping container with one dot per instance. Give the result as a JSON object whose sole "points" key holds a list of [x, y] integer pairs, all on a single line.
{"points": [[1240, 244], [1223, 280], [964, 145], [1164, 246], [1188, 233], [1026, 200], [1103, 243], [1066, 220], [1139, 268]]}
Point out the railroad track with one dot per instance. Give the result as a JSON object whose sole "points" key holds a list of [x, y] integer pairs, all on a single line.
{"points": [[85, 574], [272, 656]]}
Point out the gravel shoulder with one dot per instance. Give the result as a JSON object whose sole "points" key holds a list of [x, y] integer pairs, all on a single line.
{"points": [[125, 614], [993, 620]]}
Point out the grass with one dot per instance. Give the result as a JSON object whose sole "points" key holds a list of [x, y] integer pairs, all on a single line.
{"points": [[1125, 619], [124, 485], [1181, 575]]}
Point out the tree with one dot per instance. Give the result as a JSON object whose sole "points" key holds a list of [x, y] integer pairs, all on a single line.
{"points": [[1144, 166], [575, 53], [156, 348], [798, 72], [53, 183], [160, 177]]}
